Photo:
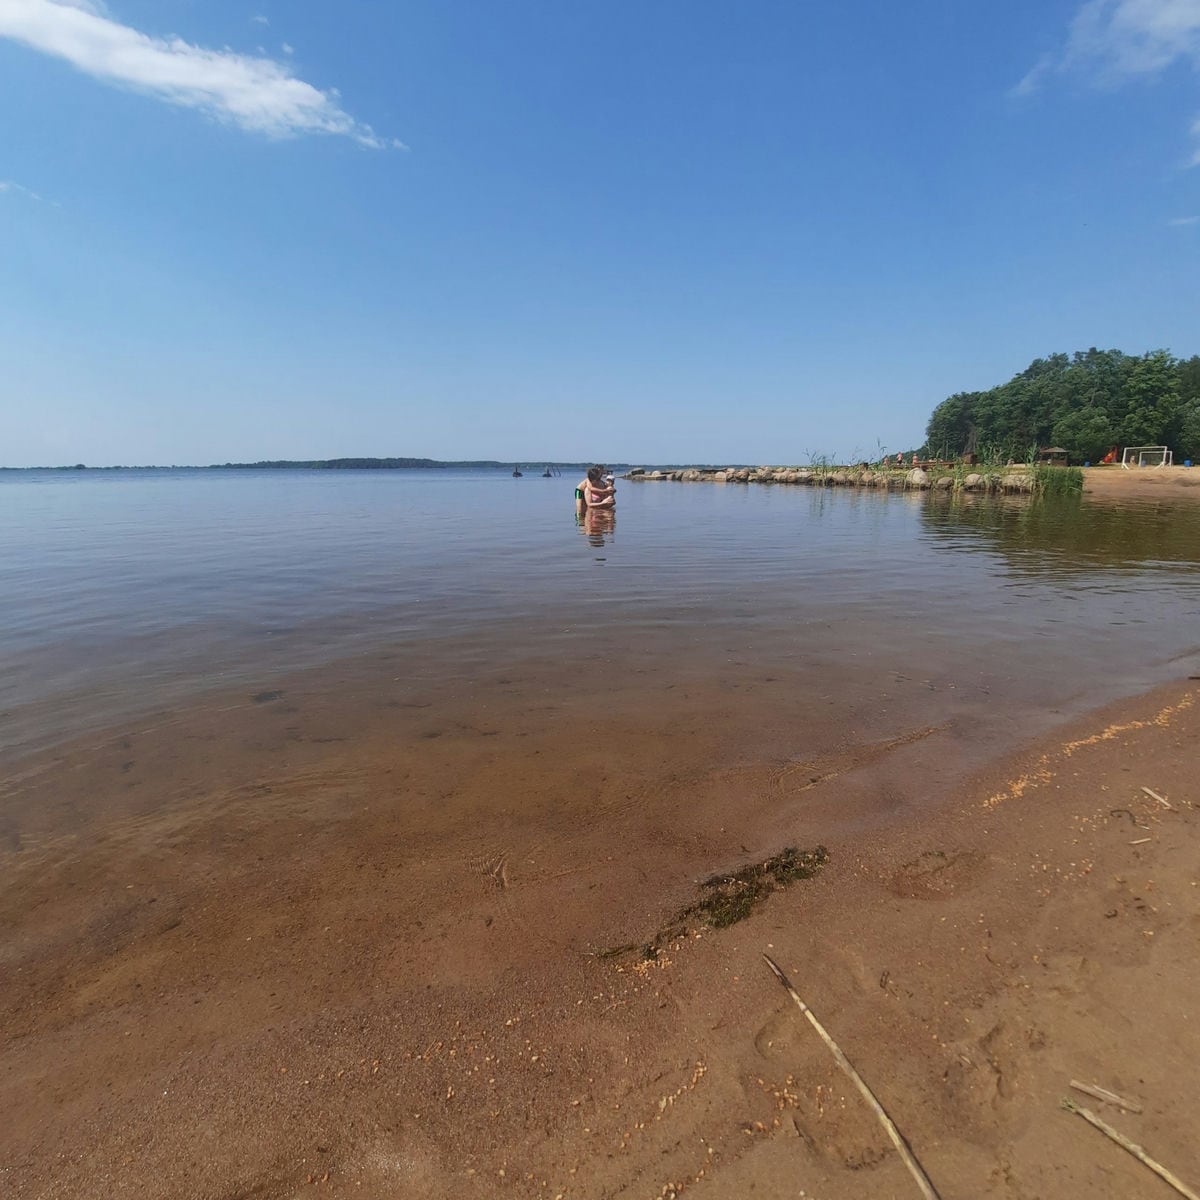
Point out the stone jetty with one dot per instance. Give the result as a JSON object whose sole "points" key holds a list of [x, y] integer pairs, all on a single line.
{"points": [[1010, 479]]}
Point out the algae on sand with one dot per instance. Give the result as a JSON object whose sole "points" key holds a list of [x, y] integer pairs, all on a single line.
{"points": [[729, 898]]}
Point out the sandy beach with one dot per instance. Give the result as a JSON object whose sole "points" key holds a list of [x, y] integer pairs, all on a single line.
{"points": [[1165, 483], [267, 947]]}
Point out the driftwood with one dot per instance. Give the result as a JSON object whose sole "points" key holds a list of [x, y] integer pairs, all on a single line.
{"points": [[1155, 796], [897, 1138], [1104, 1094], [1132, 1147]]}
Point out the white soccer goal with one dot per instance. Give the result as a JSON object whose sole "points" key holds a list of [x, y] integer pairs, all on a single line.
{"points": [[1146, 456]]}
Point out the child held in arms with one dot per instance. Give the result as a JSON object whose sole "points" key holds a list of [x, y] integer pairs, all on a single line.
{"points": [[595, 490]]}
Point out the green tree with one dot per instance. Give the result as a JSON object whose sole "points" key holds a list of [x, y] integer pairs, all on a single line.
{"points": [[1189, 431], [1189, 379], [1189, 409], [1085, 434], [951, 428], [1150, 401]]}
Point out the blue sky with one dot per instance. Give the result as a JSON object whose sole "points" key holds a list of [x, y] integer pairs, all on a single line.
{"points": [[662, 230]]}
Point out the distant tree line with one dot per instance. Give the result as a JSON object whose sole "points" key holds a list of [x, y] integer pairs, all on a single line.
{"points": [[1087, 403], [344, 464], [317, 464], [377, 464]]}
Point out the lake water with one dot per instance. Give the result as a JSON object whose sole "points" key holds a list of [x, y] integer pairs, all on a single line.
{"points": [[127, 592]]}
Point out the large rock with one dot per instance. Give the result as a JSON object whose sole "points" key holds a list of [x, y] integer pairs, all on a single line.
{"points": [[944, 483], [1020, 482], [916, 478], [974, 482]]}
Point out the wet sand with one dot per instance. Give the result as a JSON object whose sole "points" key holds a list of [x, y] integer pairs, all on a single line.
{"points": [[346, 935]]}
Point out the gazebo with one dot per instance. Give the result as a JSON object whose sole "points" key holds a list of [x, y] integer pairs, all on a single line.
{"points": [[1052, 456]]}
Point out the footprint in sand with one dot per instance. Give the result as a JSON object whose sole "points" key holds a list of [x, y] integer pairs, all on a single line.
{"points": [[936, 875], [497, 869]]}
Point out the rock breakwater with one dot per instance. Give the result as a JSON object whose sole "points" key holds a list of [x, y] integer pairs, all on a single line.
{"points": [[1012, 479]]}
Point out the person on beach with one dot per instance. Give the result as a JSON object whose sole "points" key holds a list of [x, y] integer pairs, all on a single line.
{"points": [[594, 492]]}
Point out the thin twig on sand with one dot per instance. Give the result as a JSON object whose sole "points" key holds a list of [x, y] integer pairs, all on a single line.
{"points": [[897, 1138], [1155, 796], [1104, 1094], [1132, 1147]]}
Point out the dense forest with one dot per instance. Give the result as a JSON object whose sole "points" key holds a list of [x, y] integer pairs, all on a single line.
{"points": [[1087, 403]]}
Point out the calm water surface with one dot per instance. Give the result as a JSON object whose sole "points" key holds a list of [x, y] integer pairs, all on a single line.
{"points": [[126, 591]]}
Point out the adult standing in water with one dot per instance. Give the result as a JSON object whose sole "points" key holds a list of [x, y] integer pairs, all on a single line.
{"points": [[593, 492]]}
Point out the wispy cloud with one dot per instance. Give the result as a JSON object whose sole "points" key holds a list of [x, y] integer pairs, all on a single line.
{"points": [[1113, 41], [255, 93], [11, 188], [1135, 37], [1036, 75], [1184, 221], [7, 185]]}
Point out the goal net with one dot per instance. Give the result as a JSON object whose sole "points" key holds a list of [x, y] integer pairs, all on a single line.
{"points": [[1146, 456]]}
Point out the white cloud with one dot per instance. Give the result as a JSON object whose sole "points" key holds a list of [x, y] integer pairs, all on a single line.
{"points": [[1115, 40], [288, 49], [1184, 221], [257, 94], [259, 19], [1134, 37]]}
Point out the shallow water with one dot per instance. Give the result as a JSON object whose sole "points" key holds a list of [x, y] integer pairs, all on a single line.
{"points": [[126, 592]]}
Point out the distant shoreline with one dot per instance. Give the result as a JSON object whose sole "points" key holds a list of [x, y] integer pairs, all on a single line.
{"points": [[331, 464]]}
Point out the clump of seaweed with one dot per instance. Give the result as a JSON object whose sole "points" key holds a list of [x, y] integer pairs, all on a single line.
{"points": [[727, 899]]}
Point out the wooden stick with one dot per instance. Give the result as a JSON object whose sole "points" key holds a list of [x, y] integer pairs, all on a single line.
{"points": [[897, 1138], [1140, 841], [1155, 796], [1104, 1094], [1132, 1147]]}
